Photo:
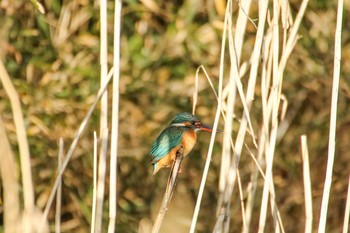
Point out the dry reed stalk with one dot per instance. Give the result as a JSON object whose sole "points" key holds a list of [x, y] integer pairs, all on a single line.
{"points": [[9, 183], [307, 184], [59, 189], [231, 98], [235, 50], [275, 97], [235, 76], [115, 119], [207, 164], [241, 23], [271, 106], [234, 83], [169, 191], [216, 121], [241, 197], [104, 65], [333, 119], [94, 195], [101, 178], [226, 136], [72, 147], [231, 177], [28, 190], [264, 131], [268, 182], [103, 117], [205, 172], [347, 210]]}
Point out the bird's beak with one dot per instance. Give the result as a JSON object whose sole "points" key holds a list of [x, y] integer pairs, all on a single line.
{"points": [[208, 128]]}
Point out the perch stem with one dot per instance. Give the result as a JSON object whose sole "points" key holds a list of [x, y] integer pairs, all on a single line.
{"points": [[169, 190]]}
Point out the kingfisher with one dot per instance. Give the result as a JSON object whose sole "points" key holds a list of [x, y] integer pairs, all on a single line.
{"points": [[180, 133]]}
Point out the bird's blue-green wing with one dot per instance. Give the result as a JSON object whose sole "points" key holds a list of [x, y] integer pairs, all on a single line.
{"points": [[167, 140]]}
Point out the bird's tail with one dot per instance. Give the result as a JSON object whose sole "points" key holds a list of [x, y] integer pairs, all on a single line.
{"points": [[155, 168]]}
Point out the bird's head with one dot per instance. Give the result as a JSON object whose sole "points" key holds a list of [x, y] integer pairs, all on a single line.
{"points": [[188, 120]]}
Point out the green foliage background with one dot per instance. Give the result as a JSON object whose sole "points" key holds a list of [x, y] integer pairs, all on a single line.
{"points": [[53, 60]]}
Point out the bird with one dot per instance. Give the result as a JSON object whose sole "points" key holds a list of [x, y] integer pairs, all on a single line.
{"points": [[180, 134]]}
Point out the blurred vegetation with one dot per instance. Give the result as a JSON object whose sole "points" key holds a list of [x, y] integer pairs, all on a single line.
{"points": [[53, 60]]}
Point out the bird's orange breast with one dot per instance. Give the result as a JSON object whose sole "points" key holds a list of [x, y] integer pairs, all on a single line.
{"points": [[188, 141]]}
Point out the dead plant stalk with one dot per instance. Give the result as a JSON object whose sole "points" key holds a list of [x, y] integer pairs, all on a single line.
{"points": [[115, 120], [333, 119], [169, 191]]}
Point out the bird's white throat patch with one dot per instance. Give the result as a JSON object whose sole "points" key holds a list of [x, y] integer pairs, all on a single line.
{"points": [[178, 124]]}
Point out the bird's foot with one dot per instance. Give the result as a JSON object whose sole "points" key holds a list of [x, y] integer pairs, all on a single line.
{"points": [[180, 170]]}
